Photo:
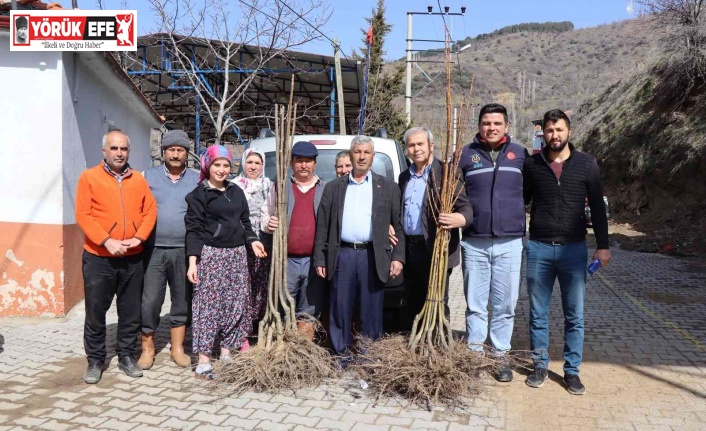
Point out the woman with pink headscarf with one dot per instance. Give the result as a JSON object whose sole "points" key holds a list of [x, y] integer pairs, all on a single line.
{"points": [[257, 189], [218, 231]]}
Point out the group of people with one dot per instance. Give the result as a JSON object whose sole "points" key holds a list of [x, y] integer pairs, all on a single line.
{"points": [[347, 238]]}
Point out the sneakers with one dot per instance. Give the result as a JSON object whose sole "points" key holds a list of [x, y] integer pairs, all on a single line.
{"points": [[93, 372], [537, 378], [504, 373], [129, 366], [574, 385], [205, 372]]}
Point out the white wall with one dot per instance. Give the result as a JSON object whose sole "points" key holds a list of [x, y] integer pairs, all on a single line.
{"points": [[94, 98], [30, 136], [55, 107]]}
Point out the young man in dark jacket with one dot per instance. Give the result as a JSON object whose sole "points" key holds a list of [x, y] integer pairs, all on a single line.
{"points": [[557, 182], [492, 245]]}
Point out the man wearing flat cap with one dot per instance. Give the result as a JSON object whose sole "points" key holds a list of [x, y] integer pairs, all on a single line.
{"points": [[21, 25], [165, 261], [303, 197]]}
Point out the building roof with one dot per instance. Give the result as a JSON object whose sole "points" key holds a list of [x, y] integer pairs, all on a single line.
{"points": [[162, 80], [24, 5]]}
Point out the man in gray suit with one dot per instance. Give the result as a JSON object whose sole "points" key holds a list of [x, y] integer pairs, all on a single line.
{"points": [[352, 249]]}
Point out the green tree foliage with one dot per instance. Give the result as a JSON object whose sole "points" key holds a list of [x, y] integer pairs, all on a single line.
{"points": [[383, 85]]}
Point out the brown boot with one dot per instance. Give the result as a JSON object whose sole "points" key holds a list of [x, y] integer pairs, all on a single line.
{"points": [[147, 357], [306, 328], [177, 351]]}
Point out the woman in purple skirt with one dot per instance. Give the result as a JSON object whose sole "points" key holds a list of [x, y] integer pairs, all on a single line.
{"points": [[257, 189], [217, 232]]}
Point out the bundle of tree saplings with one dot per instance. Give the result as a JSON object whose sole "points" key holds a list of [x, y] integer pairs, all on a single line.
{"points": [[429, 367], [283, 358]]}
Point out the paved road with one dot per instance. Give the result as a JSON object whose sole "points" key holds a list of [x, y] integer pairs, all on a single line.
{"points": [[645, 369]]}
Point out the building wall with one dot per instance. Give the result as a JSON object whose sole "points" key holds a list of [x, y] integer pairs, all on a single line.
{"points": [[31, 216], [56, 107]]}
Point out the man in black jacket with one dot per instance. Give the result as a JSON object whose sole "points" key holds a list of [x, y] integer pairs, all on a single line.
{"points": [[352, 249], [418, 218], [557, 182]]}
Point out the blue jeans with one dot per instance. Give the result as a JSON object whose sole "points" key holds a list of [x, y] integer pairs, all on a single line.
{"points": [[491, 270], [545, 263]]}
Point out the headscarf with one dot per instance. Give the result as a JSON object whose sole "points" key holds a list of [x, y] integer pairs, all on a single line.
{"points": [[212, 153], [252, 186]]}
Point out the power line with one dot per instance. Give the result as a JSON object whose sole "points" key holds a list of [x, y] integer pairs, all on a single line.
{"points": [[315, 28]]}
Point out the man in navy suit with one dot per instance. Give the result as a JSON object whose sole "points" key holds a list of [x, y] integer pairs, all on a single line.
{"points": [[352, 248]]}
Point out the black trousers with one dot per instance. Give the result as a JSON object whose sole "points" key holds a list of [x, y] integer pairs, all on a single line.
{"points": [[104, 278], [165, 265], [416, 275], [355, 280]]}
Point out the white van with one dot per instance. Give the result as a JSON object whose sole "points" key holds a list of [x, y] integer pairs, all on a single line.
{"points": [[389, 159]]}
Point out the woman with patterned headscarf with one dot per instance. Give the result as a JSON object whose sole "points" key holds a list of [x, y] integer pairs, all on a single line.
{"points": [[218, 230], [257, 189]]}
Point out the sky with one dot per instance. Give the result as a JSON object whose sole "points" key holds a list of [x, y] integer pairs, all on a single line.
{"points": [[482, 16]]}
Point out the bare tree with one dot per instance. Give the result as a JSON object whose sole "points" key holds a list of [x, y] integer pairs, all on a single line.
{"points": [[685, 19], [684, 66], [233, 40]]}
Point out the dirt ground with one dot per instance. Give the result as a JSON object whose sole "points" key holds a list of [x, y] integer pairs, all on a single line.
{"points": [[670, 240]]}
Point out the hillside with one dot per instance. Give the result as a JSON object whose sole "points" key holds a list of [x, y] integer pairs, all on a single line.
{"points": [[531, 72], [648, 131]]}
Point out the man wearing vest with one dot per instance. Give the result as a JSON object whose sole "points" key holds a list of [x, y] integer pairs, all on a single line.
{"points": [[116, 212], [303, 197], [557, 182], [165, 258], [491, 247]]}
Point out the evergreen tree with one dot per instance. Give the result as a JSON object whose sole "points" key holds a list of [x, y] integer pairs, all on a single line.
{"points": [[383, 86]]}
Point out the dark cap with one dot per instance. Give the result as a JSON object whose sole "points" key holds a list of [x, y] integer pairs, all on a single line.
{"points": [[304, 149], [21, 22], [175, 138]]}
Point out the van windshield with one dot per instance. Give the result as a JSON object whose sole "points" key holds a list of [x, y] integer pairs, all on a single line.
{"points": [[325, 165]]}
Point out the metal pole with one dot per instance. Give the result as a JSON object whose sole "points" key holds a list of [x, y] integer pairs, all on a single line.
{"points": [[408, 87], [197, 138], [339, 89], [332, 114]]}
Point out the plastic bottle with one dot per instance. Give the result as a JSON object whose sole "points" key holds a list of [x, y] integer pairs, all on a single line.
{"points": [[593, 267]]}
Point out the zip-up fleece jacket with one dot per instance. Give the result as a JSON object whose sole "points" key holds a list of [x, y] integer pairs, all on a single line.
{"points": [[110, 208], [558, 206], [217, 218], [494, 189]]}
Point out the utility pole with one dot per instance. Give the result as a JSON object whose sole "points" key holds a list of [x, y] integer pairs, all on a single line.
{"points": [[410, 39], [339, 88], [408, 86]]}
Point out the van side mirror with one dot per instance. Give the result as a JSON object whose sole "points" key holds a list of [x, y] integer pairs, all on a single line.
{"points": [[381, 133]]}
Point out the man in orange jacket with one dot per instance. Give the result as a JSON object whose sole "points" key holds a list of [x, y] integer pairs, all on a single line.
{"points": [[116, 212]]}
